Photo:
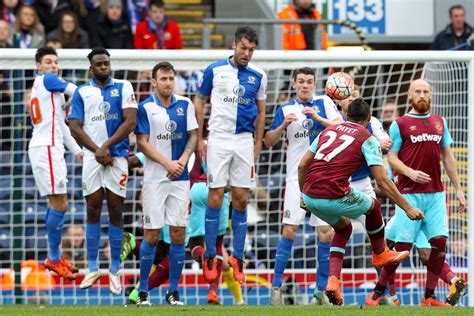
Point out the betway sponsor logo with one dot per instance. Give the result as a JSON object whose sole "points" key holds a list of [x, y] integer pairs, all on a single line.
{"points": [[170, 136], [244, 101], [105, 117], [306, 134], [425, 137]]}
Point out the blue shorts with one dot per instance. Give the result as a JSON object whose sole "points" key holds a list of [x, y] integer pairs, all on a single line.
{"points": [[391, 234], [199, 193], [353, 205], [435, 223]]}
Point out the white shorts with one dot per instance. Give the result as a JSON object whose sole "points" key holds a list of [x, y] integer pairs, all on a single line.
{"points": [[230, 160], [49, 169], [96, 176], [293, 214], [165, 202], [365, 186]]}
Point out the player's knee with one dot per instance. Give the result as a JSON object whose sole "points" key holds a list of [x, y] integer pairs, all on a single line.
{"points": [[151, 236], [93, 215], [438, 244], [177, 234], [215, 198], [424, 256], [58, 202], [290, 231], [325, 233], [376, 207]]}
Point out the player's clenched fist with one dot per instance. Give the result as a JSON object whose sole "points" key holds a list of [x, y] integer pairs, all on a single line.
{"points": [[415, 213]]}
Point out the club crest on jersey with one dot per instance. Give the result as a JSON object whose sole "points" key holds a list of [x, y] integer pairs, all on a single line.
{"points": [[239, 90], [104, 107], [251, 80], [438, 127], [412, 128], [114, 93], [171, 126], [307, 124], [180, 111]]}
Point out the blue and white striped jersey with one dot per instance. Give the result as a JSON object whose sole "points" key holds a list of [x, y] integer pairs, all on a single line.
{"points": [[101, 111], [168, 130], [301, 133], [233, 92]]}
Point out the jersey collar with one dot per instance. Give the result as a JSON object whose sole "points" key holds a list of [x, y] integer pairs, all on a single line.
{"points": [[234, 65], [109, 83], [309, 103], [157, 101], [419, 116]]}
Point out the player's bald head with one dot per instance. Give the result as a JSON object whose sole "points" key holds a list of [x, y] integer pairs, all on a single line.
{"points": [[419, 96], [419, 84]]}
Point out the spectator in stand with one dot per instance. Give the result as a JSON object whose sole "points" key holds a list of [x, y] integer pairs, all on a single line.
{"points": [[156, 31], [389, 113], [8, 11], [455, 35], [69, 33], [113, 30], [29, 32], [4, 34], [49, 11], [296, 36], [187, 82], [136, 11], [73, 245]]}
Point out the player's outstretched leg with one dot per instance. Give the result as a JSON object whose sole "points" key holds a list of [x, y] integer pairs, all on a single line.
{"points": [[342, 233]]}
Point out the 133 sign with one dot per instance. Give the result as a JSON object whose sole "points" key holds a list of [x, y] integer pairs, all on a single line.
{"points": [[367, 14]]}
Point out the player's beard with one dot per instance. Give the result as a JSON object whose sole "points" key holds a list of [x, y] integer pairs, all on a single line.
{"points": [[422, 106]]}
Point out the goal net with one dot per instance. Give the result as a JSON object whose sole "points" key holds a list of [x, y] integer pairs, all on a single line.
{"points": [[384, 78]]}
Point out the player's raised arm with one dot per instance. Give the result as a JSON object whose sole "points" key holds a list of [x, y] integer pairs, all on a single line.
{"points": [[390, 190]]}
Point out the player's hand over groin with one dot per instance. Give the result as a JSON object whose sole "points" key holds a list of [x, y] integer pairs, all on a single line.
{"points": [[419, 176], [175, 169], [414, 213]]}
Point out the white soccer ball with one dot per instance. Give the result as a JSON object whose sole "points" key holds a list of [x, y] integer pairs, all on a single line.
{"points": [[339, 85]]}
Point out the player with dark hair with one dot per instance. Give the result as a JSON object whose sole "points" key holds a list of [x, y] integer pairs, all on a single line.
{"points": [[46, 151], [323, 176], [104, 113], [237, 90], [167, 136], [302, 119]]}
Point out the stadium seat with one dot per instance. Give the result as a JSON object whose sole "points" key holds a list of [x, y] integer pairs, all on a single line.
{"points": [[36, 238], [6, 185], [6, 211], [34, 212]]}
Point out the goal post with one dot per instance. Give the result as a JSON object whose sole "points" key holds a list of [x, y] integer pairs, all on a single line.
{"points": [[382, 75]]}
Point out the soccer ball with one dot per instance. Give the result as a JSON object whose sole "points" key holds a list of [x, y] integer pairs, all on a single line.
{"points": [[339, 85]]}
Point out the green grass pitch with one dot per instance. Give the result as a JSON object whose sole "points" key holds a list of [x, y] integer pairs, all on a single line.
{"points": [[92, 310]]}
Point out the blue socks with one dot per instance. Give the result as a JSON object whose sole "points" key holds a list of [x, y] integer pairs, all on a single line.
{"points": [[322, 272], [147, 256], [212, 228], [115, 240], [176, 268], [54, 227], [281, 259], [239, 227], [92, 245]]}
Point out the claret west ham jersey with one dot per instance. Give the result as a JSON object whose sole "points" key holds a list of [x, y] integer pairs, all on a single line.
{"points": [[339, 151], [418, 140]]}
